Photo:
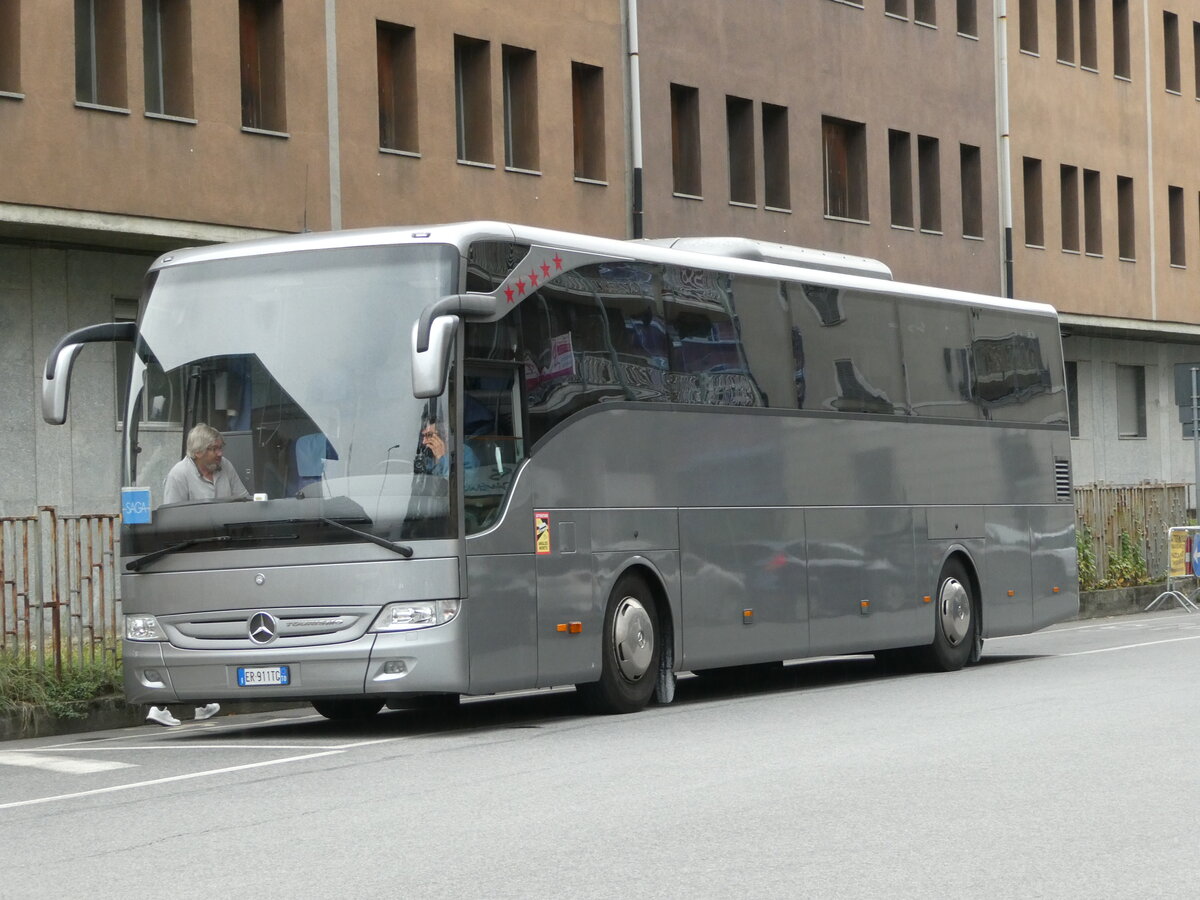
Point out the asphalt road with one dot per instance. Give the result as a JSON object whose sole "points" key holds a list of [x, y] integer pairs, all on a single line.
{"points": [[1064, 765]]}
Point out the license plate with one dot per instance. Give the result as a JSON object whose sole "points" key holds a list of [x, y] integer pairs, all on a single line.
{"points": [[252, 676]]}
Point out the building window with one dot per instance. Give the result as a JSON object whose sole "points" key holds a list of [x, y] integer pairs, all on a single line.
{"points": [[739, 127], [1178, 234], [1072, 368], [968, 18], [587, 105], [396, 61], [844, 146], [520, 108], [929, 174], [1171, 51], [1121, 39], [1034, 232], [1064, 30], [776, 163], [971, 181], [1093, 220], [262, 65], [1196, 55], [10, 46], [897, 8], [1029, 25], [685, 140], [1087, 35], [1131, 401], [900, 177], [167, 48], [100, 53], [473, 99], [1068, 177], [1126, 237], [925, 12]]}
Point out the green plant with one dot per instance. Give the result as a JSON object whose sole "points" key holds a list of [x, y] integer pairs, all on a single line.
{"points": [[1127, 567], [24, 687], [1086, 555]]}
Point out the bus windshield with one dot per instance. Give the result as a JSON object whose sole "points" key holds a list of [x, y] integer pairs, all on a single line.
{"points": [[302, 362]]}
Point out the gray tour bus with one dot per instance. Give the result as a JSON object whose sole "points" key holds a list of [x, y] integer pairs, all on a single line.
{"points": [[483, 457]]}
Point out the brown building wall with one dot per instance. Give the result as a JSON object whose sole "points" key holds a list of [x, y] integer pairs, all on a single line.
{"points": [[826, 58]]}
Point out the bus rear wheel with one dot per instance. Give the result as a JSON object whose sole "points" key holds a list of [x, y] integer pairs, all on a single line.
{"points": [[348, 710], [956, 629], [630, 651]]}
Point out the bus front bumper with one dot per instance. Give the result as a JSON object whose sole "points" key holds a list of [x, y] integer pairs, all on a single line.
{"points": [[422, 661]]}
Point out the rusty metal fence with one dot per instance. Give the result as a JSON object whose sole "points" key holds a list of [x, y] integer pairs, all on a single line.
{"points": [[59, 591], [1145, 512]]}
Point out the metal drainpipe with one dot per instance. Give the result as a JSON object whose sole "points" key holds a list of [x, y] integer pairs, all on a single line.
{"points": [[331, 83], [1004, 149], [633, 106]]}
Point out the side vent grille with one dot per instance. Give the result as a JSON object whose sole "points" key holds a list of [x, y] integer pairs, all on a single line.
{"points": [[1062, 479]]}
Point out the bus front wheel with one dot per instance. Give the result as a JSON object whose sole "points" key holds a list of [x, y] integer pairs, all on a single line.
{"points": [[630, 651]]}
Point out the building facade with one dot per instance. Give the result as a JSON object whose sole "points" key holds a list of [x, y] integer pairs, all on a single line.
{"points": [[1032, 147]]}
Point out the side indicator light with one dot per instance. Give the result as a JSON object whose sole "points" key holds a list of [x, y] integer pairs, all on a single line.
{"points": [[1054, 590], [575, 627], [926, 599], [561, 626], [1012, 593]]}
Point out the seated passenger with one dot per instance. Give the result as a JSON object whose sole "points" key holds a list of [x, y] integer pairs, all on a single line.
{"points": [[202, 474]]}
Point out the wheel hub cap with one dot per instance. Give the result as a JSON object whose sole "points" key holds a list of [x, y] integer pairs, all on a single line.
{"points": [[954, 608], [633, 638]]}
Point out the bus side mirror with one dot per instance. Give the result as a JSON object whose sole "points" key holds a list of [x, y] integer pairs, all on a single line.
{"points": [[429, 366], [56, 380]]}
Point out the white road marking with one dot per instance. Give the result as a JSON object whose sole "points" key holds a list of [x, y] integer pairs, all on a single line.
{"points": [[58, 763], [1195, 637], [185, 777]]}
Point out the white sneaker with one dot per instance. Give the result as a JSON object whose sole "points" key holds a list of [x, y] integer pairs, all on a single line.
{"points": [[162, 716], [207, 712]]}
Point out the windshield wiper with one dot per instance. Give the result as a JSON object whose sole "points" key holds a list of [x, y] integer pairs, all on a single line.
{"points": [[150, 557], [402, 549]]}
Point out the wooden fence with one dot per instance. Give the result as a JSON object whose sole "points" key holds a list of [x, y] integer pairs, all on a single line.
{"points": [[59, 600], [1144, 512]]}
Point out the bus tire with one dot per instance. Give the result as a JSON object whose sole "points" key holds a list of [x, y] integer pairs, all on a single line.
{"points": [[348, 710], [629, 651], [956, 620]]}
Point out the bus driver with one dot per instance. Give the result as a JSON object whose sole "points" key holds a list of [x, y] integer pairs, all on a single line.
{"points": [[201, 474]]}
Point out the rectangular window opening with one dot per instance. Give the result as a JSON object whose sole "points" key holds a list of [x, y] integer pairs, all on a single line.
{"points": [[1028, 13], [1178, 232], [167, 60], [1072, 371], [1131, 401], [1093, 219], [520, 108], [739, 126], [396, 62], [1034, 230], [1069, 195], [1126, 237], [971, 180], [1087, 35], [473, 99], [929, 166], [968, 18], [100, 53], [925, 12], [1196, 57], [900, 177], [1121, 39], [685, 140], [844, 146], [896, 8], [776, 157], [261, 23], [1064, 30], [10, 46], [587, 105], [1171, 52]]}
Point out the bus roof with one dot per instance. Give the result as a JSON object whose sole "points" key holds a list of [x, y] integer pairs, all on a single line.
{"points": [[732, 255]]}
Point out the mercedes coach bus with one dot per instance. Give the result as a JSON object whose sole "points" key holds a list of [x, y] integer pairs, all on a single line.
{"points": [[483, 457]]}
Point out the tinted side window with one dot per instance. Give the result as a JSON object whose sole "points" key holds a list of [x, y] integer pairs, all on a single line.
{"points": [[1016, 368], [937, 359], [847, 350]]}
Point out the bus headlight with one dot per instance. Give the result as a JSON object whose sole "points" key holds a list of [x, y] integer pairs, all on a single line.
{"points": [[415, 614], [143, 628]]}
